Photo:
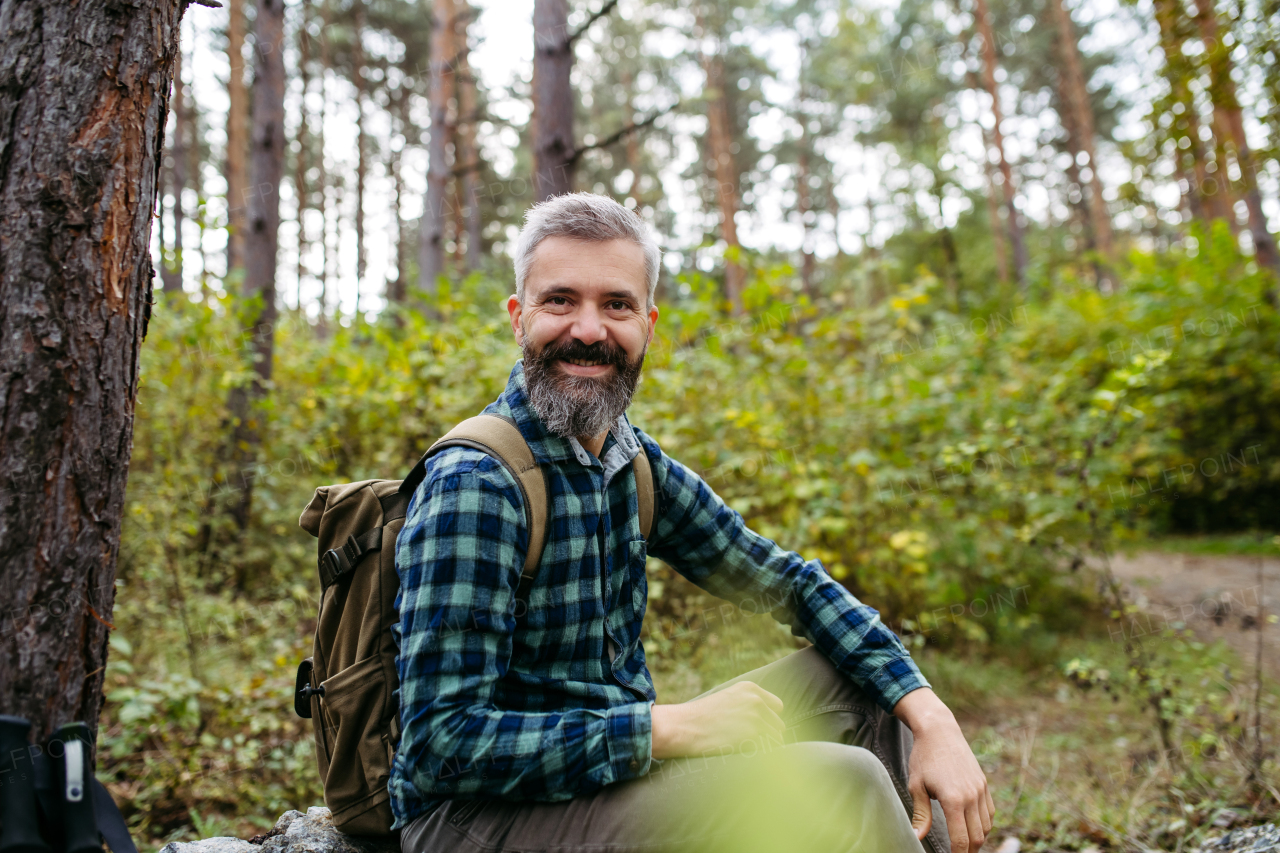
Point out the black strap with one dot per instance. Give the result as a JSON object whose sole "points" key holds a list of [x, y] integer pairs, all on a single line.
{"points": [[338, 562], [110, 822]]}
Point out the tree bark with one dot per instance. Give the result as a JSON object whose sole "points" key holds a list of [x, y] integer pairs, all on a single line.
{"points": [[468, 154], [982, 17], [553, 101], [1203, 197], [1226, 104], [237, 173], [261, 242], [725, 173], [326, 65], [362, 153], [1075, 94], [172, 271], [396, 287], [84, 98], [439, 167], [302, 161]]}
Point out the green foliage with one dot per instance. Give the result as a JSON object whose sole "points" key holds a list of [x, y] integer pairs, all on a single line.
{"points": [[957, 471]]}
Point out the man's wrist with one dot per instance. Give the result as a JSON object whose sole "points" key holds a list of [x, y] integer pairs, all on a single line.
{"points": [[922, 710]]}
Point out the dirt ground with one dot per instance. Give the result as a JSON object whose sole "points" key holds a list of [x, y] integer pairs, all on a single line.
{"points": [[1216, 596]]}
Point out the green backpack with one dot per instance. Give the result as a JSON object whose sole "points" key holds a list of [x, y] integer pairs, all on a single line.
{"points": [[347, 688]]}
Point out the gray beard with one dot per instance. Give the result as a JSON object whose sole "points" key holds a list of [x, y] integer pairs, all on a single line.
{"points": [[577, 406]]}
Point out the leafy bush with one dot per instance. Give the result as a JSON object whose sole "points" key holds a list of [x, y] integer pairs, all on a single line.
{"points": [[957, 471]]}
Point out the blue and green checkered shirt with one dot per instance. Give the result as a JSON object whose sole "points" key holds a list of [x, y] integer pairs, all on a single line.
{"points": [[549, 700]]}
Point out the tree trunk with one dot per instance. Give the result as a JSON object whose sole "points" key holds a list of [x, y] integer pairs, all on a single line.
{"points": [[993, 205], [1075, 95], [396, 287], [261, 240], [1226, 103], [326, 65], [804, 204], [468, 154], [719, 140], [362, 155], [1205, 201], [983, 19], [632, 143], [237, 138], [440, 92], [84, 98], [302, 161], [553, 101], [172, 272]]}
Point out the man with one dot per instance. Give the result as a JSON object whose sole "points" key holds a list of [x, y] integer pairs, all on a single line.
{"points": [[535, 727]]}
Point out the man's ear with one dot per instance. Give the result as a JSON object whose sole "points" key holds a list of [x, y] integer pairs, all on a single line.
{"points": [[653, 323], [515, 309]]}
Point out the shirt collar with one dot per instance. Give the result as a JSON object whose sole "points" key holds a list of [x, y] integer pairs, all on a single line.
{"points": [[514, 403]]}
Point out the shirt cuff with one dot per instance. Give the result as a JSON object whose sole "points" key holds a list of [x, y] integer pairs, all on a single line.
{"points": [[894, 680], [629, 734]]}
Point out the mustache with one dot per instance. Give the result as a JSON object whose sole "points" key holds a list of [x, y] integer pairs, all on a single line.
{"points": [[575, 350]]}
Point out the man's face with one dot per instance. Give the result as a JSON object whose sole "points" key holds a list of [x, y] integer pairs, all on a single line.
{"points": [[584, 326]]}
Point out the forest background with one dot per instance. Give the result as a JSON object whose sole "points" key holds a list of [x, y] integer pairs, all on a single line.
{"points": [[958, 297]]}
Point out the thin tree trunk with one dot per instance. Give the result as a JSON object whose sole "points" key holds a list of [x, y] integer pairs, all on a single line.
{"points": [[719, 139], [362, 155], [440, 91], [237, 173], [172, 276], [302, 161], [1075, 94], [983, 19], [632, 143], [261, 242], [803, 202], [988, 170], [326, 62], [1222, 91], [1205, 202], [553, 101], [467, 155], [82, 123], [396, 287]]}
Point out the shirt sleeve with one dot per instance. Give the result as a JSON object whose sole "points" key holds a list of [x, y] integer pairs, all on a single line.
{"points": [[705, 540], [459, 557]]}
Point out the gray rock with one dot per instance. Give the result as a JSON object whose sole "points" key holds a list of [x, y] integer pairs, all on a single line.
{"points": [[294, 832], [1264, 838]]}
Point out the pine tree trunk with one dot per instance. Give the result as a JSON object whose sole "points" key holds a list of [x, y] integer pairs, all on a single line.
{"points": [[720, 140], [302, 160], [326, 65], [172, 273], [1202, 196], [362, 146], [553, 101], [396, 287], [1014, 221], [261, 243], [1226, 103], [468, 154], [237, 173], [1075, 94], [439, 167], [84, 99]]}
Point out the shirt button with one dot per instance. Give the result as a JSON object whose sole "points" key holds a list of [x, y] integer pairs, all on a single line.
{"points": [[635, 765]]}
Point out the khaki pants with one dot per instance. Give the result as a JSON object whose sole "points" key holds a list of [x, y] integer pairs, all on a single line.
{"points": [[837, 782]]}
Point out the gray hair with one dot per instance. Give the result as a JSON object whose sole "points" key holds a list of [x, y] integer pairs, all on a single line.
{"points": [[584, 216]]}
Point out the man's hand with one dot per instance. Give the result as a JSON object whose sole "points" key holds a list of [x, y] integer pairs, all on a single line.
{"points": [[943, 767], [718, 723]]}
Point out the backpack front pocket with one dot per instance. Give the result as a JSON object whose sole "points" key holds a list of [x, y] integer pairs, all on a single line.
{"points": [[354, 704]]}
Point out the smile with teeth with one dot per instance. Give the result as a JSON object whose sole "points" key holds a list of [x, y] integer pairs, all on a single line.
{"points": [[583, 362]]}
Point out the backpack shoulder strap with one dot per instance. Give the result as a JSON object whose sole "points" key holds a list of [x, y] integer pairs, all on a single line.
{"points": [[644, 491], [500, 438]]}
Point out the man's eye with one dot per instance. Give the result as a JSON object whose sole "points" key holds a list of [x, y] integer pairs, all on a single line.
{"points": [[558, 300], [619, 306]]}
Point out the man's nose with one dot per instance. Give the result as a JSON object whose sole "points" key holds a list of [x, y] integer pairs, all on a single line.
{"points": [[588, 325]]}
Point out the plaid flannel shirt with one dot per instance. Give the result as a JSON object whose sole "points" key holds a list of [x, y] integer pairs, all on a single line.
{"points": [[550, 699]]}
